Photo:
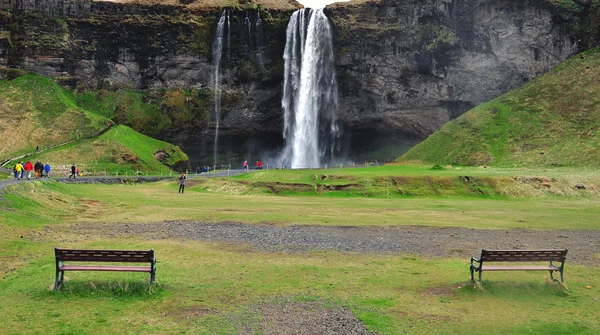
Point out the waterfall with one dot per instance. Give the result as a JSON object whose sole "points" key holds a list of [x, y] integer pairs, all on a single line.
{"points": [[259, 41], [217, 51], [310, 97], [259, 30], [228, 37], [249, 27]]}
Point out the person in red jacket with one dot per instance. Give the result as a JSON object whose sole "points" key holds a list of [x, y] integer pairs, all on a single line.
{"points": [[28, 168]]}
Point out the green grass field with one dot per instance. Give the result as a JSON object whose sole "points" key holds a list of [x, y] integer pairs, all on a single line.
{"points": [[410, 181], [214, 288]]}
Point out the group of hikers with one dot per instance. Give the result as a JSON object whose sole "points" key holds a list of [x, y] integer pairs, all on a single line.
{"points": [[41, 170], [259, 165], [24, 170]]}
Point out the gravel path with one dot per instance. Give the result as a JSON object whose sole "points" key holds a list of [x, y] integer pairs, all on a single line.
{"points": [[443, 242], [122, 179]]}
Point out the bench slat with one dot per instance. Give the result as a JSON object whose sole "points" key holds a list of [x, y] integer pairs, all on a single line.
{"points": [[106, 268], [519, 268], [523, 255], [73, 255]]}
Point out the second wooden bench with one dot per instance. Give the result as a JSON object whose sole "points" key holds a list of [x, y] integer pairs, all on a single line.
{"points": [[522, 256]]}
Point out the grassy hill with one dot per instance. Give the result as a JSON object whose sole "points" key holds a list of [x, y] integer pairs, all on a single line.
{"points": [[119, 149], [35, 111], [552, 120]]}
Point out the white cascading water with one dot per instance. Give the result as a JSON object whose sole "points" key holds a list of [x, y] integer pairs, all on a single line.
{"points": [[217, 52], [228, 36], [310, 97]]}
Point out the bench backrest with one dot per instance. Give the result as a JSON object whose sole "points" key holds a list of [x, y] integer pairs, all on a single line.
{"points": [[73, 255], [523, 255]]}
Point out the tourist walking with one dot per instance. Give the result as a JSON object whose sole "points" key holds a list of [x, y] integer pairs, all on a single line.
{"points": [[18, 170], [246, 165], [47, 170], [38, 168], [28, 169], [73, 170], [181, 183]]}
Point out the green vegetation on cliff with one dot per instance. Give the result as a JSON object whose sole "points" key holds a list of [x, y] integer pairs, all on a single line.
{"points": [[152, 113], [552, 120]]}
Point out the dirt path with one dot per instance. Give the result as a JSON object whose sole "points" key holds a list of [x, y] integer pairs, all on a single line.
{"points": [[423, 241]]}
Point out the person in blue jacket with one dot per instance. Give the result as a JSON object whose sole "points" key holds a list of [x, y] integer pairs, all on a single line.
{"points": [[47, 170]]}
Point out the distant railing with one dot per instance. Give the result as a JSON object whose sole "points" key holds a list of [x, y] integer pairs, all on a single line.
{"points": [[64, 170]]}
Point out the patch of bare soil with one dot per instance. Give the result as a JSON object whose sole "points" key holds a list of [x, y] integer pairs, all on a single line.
{"points": [[308, 318]]}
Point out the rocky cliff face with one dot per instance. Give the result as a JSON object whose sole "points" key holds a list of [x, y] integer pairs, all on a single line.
{"points": [[405, 67]]}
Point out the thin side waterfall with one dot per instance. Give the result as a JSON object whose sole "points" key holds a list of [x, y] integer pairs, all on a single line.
{"points": [[310, 98], [228, 36], [259, 30], [217, 52], [249, 27], [259, 40]]}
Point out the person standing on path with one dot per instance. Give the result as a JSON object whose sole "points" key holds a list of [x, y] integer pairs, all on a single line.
{"points": [[181, 183], [246, 165], [73, 169], [28, 169], [47, 170]]}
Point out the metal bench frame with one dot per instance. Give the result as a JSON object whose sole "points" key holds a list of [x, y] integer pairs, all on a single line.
{"points": [[113, 256], [553, 255]]}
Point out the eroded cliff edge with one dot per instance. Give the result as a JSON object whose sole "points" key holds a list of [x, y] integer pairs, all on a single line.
{"points": [[405, 67]]}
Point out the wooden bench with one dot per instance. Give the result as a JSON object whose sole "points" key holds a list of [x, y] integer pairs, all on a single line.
{"points": [[523, 256], [113, 256]]}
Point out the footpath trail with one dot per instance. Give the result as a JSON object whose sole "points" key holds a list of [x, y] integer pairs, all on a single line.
{"points": [[117, 179]]}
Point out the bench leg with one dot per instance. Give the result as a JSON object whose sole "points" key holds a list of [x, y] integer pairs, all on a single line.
{"points": [[562, 278], [152, 277], [57, 280]]}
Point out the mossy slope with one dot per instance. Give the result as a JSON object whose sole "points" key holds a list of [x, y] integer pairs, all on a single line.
{"points": [[35, 111], [120, 148], [552, 120]]}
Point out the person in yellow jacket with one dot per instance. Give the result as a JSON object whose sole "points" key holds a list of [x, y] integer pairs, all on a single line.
{"points": [[18, 170]]}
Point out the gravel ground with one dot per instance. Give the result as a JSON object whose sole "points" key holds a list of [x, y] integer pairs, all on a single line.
{"points": [[443, 242], [307, 318]]}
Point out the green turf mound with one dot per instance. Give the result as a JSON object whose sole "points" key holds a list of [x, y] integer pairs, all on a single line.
{"points": [[552, 120], [119, 149]]}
